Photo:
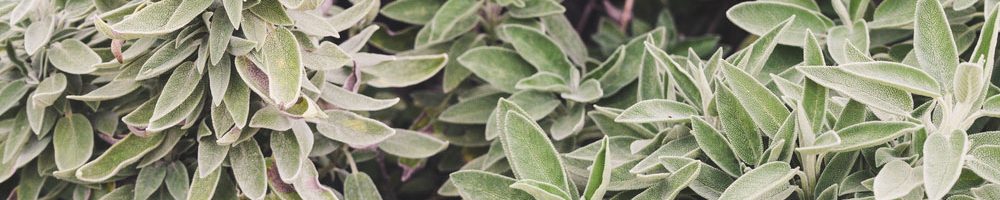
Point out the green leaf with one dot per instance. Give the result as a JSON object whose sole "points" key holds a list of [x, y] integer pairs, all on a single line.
{"points": [[677, 181], [985, 162], [738, 126], [481, 185], [73, 141], [872, 93], [203, 187], [281, 60], [73, 56], [870, 134], [342, 98], [933, 42], [841, 37], [836, 170], [888, 12], [501, 68], [149, 180], [529, 152], [568, 124], [249, 169], [308, 185], [353, 129], [150, 20], [765, 109], [405, 71], [897, 179], [453, 19], [475, 110], [167, 57], [177, 180], [709, 183], [287, 155], [351, 16], [536, 104], [272, 12], [944, 155], [540, 190], [600, 172], [538, 49], [359, 186], [176, 90], [656, 110], [412, 144], [234, 10], [969, 82], [563, 34], [120, 193], [38, 33], [988, 191], [588, 91], [896, 75], [756, 183], [270, 118], [11, 93], [220, 31], [111, 90], [210, 156], [417, 12], [760, 16], [496, 121], [543, 81], [117, 157], [327, 57], [715, 146], [49, 90], [537, 8]]}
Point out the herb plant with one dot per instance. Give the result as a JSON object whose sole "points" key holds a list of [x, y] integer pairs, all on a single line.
{"points": [[498, 99]]}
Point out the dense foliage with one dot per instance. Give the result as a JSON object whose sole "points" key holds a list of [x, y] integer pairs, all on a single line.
{"points": [[499, 99]]}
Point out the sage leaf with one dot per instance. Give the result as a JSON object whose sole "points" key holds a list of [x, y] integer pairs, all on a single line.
{"points": [[117, 157], [249, 169], [73, 56], [897, 179], [530, 153], [348, 100], [353, 129], [765, 109], [869, 134], [985, 162], [502, 68], [759, 17], [150, 20], [600, 172], [933, 42], [757, 182], [715, 146], [149, 180], [656, 110], [283, 64], [677, 181], [73, 141], [177, 180], [540, 190], [538, 49], [944, 155], [412, 144], [405, 71], [871, 93], [481, 185], [49, 90], [359, 186]]}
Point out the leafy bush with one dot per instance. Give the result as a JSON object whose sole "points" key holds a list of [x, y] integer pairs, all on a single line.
{"points": [[498, 99]]}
